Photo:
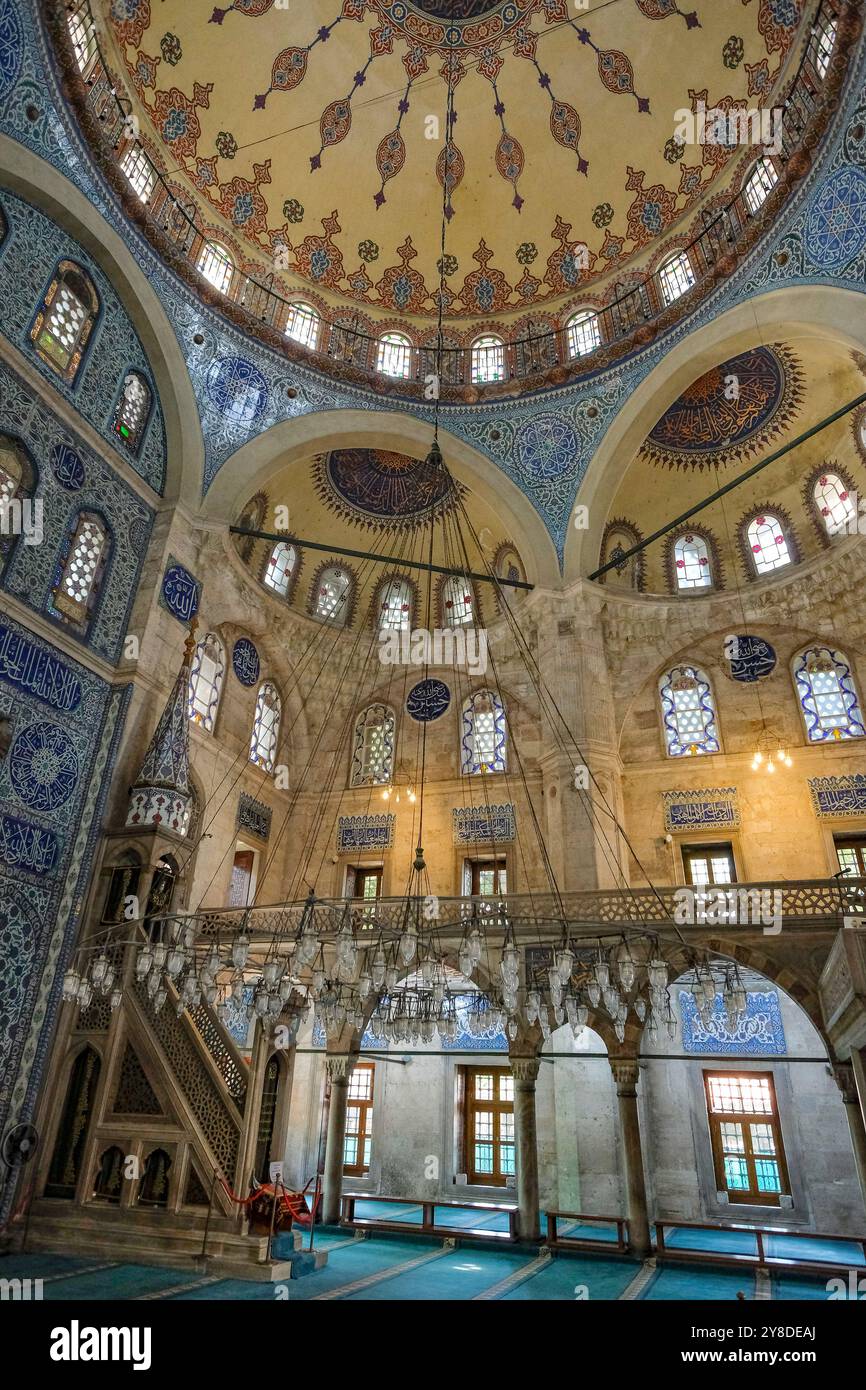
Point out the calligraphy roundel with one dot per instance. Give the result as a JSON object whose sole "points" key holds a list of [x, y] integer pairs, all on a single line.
{"points": [[377, 489], [67, 467], [181, 592], [731, 410], [428, 700], [245, 661], [750, 658], [43, 766]]}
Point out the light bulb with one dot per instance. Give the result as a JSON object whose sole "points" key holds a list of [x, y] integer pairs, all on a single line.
{"points": [[771, 766], [789, 761], [758, 759]]}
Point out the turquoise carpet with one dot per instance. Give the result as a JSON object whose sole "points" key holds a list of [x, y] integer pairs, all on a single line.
{"points": [[686, 1284], [570, 1278], [399, 1268]]}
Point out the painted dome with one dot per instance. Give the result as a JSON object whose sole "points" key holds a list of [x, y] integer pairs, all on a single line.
{"points": [[314, 135]]}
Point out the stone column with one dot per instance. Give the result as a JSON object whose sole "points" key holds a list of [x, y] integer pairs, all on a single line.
{"points": [[625, 1074], [339, 1066], [525, 1073], [844, 1076]]}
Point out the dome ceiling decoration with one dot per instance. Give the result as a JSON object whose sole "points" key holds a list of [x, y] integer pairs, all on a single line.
{"points": [[732, 411], [316, 132], [382, 491]]}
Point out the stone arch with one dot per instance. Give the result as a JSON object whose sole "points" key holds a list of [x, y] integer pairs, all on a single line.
{"points": [[43, 186], [298, 439], [813, 312]]}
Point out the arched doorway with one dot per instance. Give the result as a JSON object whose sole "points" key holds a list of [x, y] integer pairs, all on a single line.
{"points": [[69, 1146]]}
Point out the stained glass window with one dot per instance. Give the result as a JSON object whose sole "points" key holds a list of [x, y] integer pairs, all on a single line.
{"points": [[216, 266], [394, 356], [487, 356], [489, 1125], [373, 748], [748, 1154], [692, 562], [65, 319], [393, 605], [206, 681], [675, 277], [458, 602], [767, 543], [132, 410], [266, 728], [333, 594], [484, 742], [359, 1119], [835, 503], [280, 568], [828, 695], [82, 32], [824, 41], [80, 570], [583, 333], [302, 325], [760, 184], [140, 172], [688, 712]]}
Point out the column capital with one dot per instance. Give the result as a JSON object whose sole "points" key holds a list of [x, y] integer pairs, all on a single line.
{"points": [[626, 1073], [524, 1069], [843, 1075], [339, 1065]]}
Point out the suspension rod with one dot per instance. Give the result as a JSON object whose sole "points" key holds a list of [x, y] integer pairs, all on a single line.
{"points": [[729, 487], [400, 563]]}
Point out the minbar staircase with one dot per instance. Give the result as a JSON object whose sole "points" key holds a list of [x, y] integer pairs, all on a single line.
{"points": [[175, 1083]]}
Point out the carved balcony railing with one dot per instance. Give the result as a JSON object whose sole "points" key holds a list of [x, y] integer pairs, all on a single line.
{"points": [[803, 904], [223, 1053], [625, 322]]}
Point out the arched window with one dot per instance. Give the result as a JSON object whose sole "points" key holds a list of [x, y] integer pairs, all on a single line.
{"points": [[392, 608], [688, 712], [81, 570], [767, 543], [82, 32], [487, 359], [692, 562], [828, 695], [216, 265], [835, 503], [373, 747], [140, 172], [65, 320], [484, 737], [206, 681], [823, 43], [266, 727], [333, 594], [17, 481], [280, 568], [458, 602], [675, 276], [583, 333], [303, 325], [394, 355], [108, 1184], [760, 184], [132, 410], [162, 890]]}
